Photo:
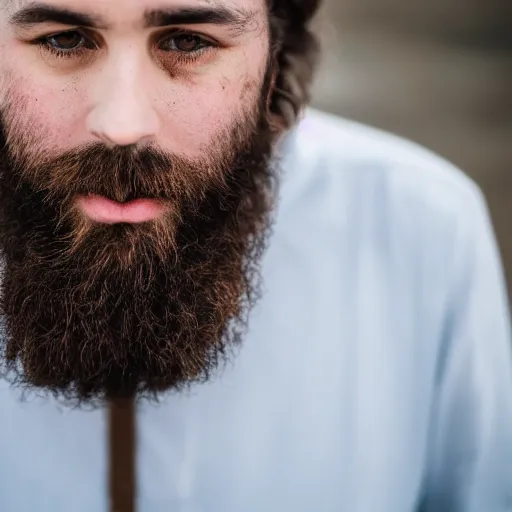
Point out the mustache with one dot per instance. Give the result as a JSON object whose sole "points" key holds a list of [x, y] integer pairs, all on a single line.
{"points": [[122, 173]]}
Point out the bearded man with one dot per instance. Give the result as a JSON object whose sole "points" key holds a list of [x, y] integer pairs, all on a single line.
{"points": [[215, 298]]}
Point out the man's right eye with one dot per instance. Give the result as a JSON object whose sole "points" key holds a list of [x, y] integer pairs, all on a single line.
{"points": [[69, 44]]}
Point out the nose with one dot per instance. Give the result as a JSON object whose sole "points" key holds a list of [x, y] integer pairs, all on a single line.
{"points": [[122, 114]]}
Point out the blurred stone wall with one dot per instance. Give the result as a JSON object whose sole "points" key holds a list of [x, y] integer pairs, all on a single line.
{"points": [[436, 71]]}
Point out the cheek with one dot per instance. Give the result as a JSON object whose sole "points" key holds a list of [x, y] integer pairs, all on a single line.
{"points": [[43, 112], [199, 114], [46, 118], [209, 104]]}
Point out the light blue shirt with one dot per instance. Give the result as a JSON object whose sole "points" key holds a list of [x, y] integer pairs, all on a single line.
{"points": [[376, 377]]}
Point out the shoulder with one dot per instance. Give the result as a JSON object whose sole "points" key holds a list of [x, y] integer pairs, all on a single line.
{"points": [[379, 173]]}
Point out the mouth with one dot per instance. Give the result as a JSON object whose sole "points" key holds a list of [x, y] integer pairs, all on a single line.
{"points": [[106, 211]]}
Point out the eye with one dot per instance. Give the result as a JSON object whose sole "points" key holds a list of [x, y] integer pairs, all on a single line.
{"points": [[71, 43], [185, 43], [67, 41]]}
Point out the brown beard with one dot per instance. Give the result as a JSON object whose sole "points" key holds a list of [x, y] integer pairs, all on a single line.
{"points": [[96, 311]]}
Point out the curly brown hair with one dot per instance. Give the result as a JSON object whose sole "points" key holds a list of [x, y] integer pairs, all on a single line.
{"points": [[295, 51]]}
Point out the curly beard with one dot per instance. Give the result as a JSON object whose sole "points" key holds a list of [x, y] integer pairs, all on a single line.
{"points": [[95, 311]]}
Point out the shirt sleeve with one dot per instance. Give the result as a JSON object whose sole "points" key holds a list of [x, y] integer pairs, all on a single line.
{"points": [[470, 447]]}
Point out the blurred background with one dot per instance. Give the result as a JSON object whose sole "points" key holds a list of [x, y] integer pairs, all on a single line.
{"points": [[438, 72]]}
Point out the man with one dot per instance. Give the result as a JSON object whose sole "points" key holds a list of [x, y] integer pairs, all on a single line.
{"points": [[314, 309]]}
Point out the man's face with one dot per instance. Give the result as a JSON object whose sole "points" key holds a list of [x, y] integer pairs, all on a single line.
{"points": [[134, 187]]}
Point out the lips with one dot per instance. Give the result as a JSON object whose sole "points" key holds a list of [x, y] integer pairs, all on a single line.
{"points": [[106, 211]]}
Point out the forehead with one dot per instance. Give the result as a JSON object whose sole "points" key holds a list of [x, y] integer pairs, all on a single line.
{"points": [[137, 12]]}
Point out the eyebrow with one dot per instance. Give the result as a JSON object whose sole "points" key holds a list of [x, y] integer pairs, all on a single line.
{"points": [[38, 13]]}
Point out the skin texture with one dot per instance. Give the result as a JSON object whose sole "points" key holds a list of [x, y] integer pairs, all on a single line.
{"points": [[128, 91], [94, 310]]}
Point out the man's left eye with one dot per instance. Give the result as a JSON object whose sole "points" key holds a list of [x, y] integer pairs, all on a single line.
{"points": [[186, 43]]}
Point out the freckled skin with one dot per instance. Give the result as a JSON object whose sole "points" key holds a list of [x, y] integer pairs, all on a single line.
{"points": [[127, 90]]}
